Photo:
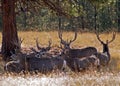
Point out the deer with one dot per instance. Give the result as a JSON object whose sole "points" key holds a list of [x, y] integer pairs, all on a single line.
{"points": [[82, 64], [79, 64], [75, 53], [45, 65], [41, 51], [23, 62], [104, 56], [17, 64], [13, 65]]}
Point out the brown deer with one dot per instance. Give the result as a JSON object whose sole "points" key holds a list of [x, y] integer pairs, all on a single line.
{"points": [[75, 53], [104, 57]]}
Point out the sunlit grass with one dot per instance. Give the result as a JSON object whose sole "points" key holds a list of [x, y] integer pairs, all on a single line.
{"points": [[110, 75], [71, 79], [83, 40]]}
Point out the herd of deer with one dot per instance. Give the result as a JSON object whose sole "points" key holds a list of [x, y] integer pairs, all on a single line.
{"points": [[75, 59]]}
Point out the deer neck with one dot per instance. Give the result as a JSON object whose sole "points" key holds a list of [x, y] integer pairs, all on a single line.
{"points": [[106, 50]]}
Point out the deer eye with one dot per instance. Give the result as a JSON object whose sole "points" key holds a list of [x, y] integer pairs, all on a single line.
{"points": [[37, 55], [42, 53]]}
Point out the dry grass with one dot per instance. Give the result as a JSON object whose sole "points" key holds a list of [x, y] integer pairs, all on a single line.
{"points": [[71, 79], [83, 40], [109, 76]]}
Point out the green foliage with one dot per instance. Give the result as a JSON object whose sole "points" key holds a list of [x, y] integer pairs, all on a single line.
{"points": [[82, 14], [106, 18], [118, 13]]}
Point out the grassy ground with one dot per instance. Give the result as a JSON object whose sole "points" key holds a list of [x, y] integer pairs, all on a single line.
{"points": [[60, 79], [110, 76], [83, 40]]}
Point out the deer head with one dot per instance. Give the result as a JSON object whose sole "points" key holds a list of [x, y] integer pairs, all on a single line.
{"points": [[41, 50], [105, 44], [67, 43]]}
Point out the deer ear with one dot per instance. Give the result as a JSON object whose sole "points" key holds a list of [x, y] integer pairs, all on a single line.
{"points": [[37, 56]]}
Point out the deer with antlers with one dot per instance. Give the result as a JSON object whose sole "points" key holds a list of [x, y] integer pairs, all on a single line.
{"points": [[104, 57], [23, 62], [78, 59], [75, 53], [81, 64], [13, 65], [41, 51]]}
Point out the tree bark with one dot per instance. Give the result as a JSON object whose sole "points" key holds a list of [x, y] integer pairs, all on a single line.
{"points": [[9, 32]]}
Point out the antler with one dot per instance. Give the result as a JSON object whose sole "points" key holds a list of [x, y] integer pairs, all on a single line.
{"points": [[113, 38], [18, 43], [60, 36], [42, 49], [33, 50], [64, 42], [99, 38], [37, 44], [75, 37], [49, 45]]}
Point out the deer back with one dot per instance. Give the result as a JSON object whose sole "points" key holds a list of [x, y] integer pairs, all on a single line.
{"points": [[45, 65], [80, 53], [80, 64]]}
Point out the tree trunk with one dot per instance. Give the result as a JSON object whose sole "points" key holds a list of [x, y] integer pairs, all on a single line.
{"points": [[9, 32]]}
